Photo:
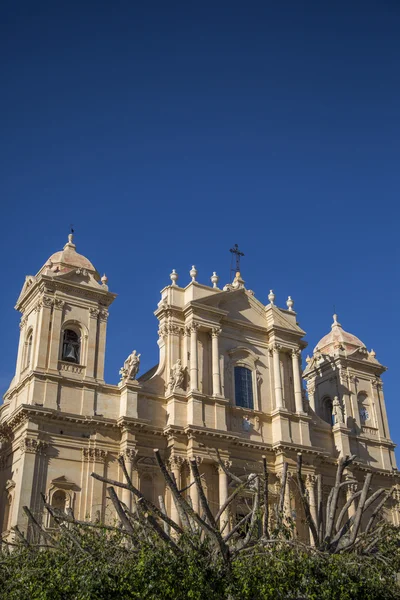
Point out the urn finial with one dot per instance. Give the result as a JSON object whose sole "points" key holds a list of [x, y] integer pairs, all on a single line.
{"points": [[289, 303], [271, 296], [214, 279], [193, 273], [174, 277]]}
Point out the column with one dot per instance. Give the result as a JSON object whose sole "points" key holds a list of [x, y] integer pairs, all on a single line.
{"points": [[216, 378], [223, 495], [91, 349], [193, 491], [175, 463], [277, 377], [129, 455], [351, 489], [310, 487], [298, 398], [101, 343], [97, 457], [185, 349], [55, 334], [193, 358], [30, 449], [353, 400]]}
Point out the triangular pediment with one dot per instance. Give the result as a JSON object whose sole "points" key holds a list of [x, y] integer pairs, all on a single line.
{"points": [[30, 280], [78, 277], [240, 305], [64, 483]]}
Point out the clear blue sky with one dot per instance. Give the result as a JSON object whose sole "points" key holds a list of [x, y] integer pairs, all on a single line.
{"points": [[168, 131]]}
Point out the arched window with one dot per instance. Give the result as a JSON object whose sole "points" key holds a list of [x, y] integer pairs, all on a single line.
{"points": [[244, 387], [28, 349], [71, 348], [58, 501], [327, 410], [364, 408]]}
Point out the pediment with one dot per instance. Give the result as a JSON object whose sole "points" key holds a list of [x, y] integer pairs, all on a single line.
{"points": [[240, 305], [237, 305], [30, 280], [64, 483], [78, 277]]}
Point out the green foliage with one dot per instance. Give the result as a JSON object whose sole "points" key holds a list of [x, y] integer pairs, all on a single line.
{"points": [[107, 566]]}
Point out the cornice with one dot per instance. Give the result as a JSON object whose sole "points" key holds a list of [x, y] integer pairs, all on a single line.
{"points": [[79, 383], [26, 411]]}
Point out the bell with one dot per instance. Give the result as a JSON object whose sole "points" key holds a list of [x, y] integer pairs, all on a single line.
{"points": [[69, 354]]}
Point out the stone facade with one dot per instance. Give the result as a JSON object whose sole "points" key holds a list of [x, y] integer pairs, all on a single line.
{"points": [[229, 378]]}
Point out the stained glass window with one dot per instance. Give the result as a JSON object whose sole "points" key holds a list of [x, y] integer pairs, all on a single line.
{"points": [[244, 387]]}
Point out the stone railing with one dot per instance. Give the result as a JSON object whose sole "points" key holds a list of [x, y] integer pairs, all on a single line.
{"points": [[71, 367], [370, 431]]}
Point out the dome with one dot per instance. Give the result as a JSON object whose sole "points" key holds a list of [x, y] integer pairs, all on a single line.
{"points": [[67, 260], [338, 337]]}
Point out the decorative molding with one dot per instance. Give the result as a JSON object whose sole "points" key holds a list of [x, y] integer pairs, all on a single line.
{"points": [[176, 462], [47, 301], [23, 322], [59, 304], [94, 312], [311, 480], [129, 455], [194, 327], [103, 314], [33, 446], [94, 454]]}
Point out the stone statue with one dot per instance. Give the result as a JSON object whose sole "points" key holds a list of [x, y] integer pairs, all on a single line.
{"points": [[176, 376], [337, 411], [131, 367]]}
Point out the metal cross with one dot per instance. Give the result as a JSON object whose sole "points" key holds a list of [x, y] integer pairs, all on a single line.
{"points": [[235, 250]]}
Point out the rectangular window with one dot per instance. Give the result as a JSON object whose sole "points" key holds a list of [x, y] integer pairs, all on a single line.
{"points": [[244, 387]]}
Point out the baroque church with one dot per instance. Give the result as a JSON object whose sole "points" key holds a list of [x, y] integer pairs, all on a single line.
{"points": [[229, 377]]}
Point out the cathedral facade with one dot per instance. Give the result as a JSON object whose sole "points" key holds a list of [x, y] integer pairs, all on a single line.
{"points": [[229, 377]]}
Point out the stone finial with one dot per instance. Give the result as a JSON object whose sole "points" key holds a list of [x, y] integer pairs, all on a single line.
{"points": [[335, 321], [289, 303], [308, 359], [70, 242], [174, 277], [271, 296], [193, 273], [372, 353], [214, 279], [104, 279]]}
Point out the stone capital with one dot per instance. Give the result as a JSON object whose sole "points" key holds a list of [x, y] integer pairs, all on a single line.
{"points": [[94, 454], [33, 446], [311, 480]]}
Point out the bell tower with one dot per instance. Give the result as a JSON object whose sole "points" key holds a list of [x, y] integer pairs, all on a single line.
{"points": [[63, 330], [345, 390]]}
